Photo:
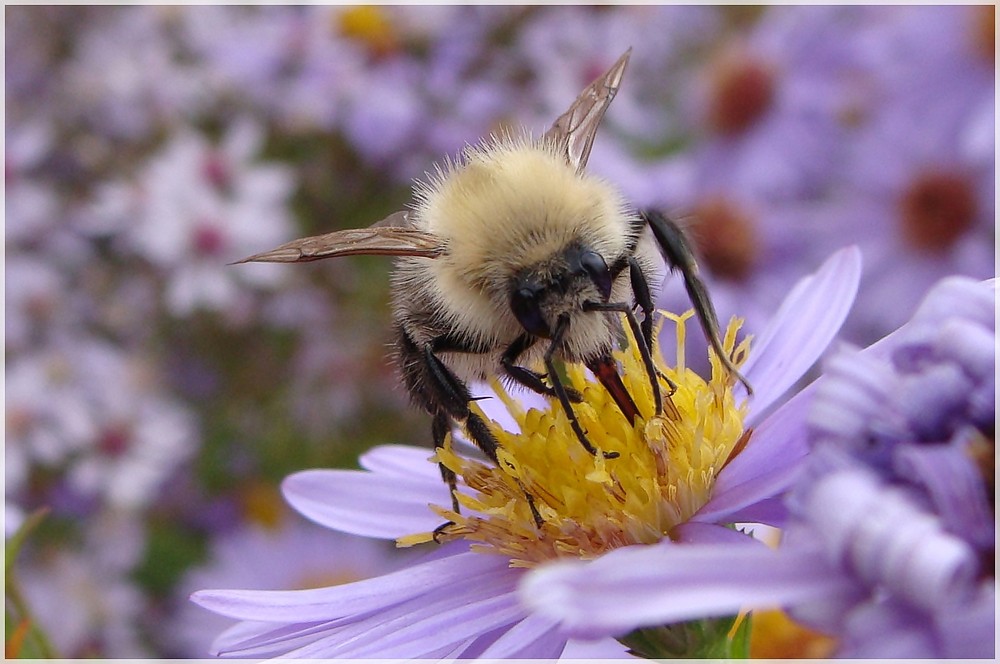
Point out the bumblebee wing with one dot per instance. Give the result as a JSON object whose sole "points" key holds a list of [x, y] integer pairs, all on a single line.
{"points": [[573, 132], [379, 239], [401, 219]]}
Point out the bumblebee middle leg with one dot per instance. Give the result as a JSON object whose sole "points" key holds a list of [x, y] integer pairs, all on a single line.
{"points": [[640, 340]]}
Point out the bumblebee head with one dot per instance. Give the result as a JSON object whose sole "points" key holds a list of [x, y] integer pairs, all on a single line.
{"points": [[539, 294]]}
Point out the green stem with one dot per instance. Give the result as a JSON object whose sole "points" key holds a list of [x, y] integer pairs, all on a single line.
{"points": [[36, 643], [697, 639]]}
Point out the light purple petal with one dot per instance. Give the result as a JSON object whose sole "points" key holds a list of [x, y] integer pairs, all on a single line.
{"points": [[970, 345], [652, 585], [709, 533], [770, 511], [534, 637], [885, 631], [606, 648], [445, 620], [851, 397], [367, 504], [968, 631], [400, 461], [801, 330], [426, 624], [952, 297], [764, 469], [954, 485], [265, 639], [959, 297], [352, 598], [879, 535]]}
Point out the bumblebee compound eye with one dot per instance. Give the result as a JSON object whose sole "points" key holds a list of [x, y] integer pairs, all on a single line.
{"points": [[524, 303], [597, 269]]}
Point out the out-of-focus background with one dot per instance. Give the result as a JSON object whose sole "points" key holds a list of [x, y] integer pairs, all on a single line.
{"points": [[156, 396]]}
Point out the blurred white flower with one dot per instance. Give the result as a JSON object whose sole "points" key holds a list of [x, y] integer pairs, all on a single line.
{"points": [[83, 599], [125, 76], [85, 406], [197, 206], [30, 205]]}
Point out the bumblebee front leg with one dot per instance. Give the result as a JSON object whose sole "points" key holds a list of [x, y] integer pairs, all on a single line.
{"points": [[437, 390], [523, 376], [453, 396], [674, 245], [562, 326]]}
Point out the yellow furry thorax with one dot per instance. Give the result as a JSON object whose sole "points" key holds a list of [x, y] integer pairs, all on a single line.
{"points": [[510, 202]]}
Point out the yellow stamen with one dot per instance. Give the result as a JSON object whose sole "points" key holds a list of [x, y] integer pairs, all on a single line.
{"points": [[262, 504], [588, 504]]}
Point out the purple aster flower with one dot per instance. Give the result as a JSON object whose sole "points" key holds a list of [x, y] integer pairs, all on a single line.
{"points": [[679, 476], [890, 539]]}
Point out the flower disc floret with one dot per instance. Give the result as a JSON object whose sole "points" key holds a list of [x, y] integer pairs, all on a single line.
{"points": [[588, 504]]}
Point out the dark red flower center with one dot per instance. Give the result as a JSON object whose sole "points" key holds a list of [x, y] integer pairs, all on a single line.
{"points": [[726, 238], [114, 441], [207, 239], [936, 210], [985, 31], [216, 170], [742, 92]]}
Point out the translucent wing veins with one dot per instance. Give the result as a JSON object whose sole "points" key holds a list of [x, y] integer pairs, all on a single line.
{"points": [[574, 131]]}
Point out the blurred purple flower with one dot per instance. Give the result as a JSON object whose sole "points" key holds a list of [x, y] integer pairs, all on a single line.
{"points": [[462, 602], [569, 46], [892, 527], [766, 109], [876, 129], [918, 190]]}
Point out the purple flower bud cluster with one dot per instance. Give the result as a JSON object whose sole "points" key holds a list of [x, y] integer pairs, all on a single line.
{"points": [[896, 490]]}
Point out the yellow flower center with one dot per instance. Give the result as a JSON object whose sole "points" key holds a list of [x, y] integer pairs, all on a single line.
{"points": [[664, 473], [370, 25], [774, 635]]}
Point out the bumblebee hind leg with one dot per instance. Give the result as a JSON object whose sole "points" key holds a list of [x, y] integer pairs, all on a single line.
{"points": [[679, 255], [446, 397]]}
